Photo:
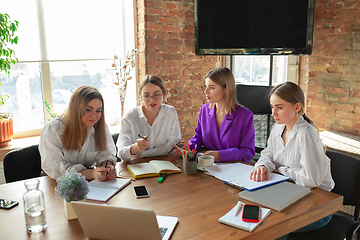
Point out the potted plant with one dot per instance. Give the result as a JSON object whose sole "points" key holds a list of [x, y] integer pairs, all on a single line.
{"points": [[7, 57], [71, 187]]}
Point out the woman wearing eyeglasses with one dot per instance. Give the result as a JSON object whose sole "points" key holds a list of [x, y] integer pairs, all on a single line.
{"points": [[152, 128]]}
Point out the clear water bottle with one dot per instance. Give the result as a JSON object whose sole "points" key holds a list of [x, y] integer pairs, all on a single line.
{"points": [[34, 207]]}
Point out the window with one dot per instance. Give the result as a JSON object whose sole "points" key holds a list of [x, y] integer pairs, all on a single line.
{"points": [[256, 70], [62, 47]]}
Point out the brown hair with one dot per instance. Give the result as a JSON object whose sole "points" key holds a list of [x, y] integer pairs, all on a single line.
{"points": [[224, 77], [292, 93], [151, 79], [72, 133]]}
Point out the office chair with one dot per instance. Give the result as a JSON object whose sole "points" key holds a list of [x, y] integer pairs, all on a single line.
{"points": [[22, 163], [256, 99], [345, 171]]}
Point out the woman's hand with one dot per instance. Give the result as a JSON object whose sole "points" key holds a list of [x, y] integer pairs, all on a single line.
{"points": [[103, 173], [140, 145], [216, 155], [100, 173], [183, 146], [260, 174]]}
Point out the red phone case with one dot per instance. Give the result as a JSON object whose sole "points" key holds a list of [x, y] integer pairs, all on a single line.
{"points": [[248, 219]]}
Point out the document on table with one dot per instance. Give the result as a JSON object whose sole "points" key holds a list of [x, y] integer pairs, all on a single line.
{"points": [[238, 175]]}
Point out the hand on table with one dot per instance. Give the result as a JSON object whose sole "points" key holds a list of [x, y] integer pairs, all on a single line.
{"points": [[260, 174]]}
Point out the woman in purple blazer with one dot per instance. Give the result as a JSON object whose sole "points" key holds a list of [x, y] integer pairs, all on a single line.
{"points": [[224, 128]]}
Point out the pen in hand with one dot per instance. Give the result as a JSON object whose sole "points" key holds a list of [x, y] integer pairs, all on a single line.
{"points": [[143, 137], [106, 163], [238, 208]]}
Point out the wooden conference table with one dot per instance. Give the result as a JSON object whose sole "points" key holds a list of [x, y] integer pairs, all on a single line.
{"points": [[197, 200]]}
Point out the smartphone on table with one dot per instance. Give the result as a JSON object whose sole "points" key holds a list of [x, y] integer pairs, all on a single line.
{"points": [[8, 204], [141, 192], [251, 213]]}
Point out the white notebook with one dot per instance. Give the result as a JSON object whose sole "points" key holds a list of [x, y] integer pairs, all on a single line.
{"points": [[103, 191], [230, 219], [238, 175]]}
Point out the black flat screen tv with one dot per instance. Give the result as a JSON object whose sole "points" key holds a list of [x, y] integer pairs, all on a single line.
{"points": [[227, 27]]}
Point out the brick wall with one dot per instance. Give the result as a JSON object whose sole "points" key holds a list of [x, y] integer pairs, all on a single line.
{"points": [[333, 81], [166, 49]]}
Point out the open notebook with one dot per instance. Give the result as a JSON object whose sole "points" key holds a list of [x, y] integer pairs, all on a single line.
{"points": [[101, 221], [103, 191]]}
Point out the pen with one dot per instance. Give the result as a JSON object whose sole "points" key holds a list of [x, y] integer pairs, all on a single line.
{"points": [[173, 148], [106, 163], [162, 177], [238, 208], [126, 178], [142, 136]]}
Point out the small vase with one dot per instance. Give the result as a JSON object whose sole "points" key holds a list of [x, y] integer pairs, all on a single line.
{"points": [[6, 130], [69, 211]]}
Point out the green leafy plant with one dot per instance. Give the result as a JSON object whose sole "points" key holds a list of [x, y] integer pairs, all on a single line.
{"points": [[7, 37], [7, 55], [72, 187]]}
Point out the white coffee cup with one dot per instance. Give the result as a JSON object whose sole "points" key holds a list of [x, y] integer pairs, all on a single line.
{"points": [[206, 160]]}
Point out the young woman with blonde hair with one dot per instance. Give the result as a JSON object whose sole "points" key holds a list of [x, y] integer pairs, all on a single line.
{"points": [[294, 147], [224, 128], [79, 138], [157, 123]]}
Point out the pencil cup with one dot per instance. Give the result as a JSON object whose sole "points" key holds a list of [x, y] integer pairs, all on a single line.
{"points": [[189, 166]]}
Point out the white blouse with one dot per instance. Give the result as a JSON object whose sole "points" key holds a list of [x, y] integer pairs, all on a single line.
{"points": [[302, 158], [56, 161], [164, 132]]}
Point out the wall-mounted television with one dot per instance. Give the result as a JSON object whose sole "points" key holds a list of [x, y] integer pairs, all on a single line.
{"points": [[227, 27]]}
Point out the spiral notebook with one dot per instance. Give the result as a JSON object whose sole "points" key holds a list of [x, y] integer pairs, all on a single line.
{"points": [[103, 191], [230, 219]]}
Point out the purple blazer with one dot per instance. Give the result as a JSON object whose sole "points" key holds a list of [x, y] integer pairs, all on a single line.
{"points": [[235, 140]]}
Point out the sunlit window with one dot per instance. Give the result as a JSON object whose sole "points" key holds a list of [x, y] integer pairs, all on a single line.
{"points": [[255, 70], [63, 45]]}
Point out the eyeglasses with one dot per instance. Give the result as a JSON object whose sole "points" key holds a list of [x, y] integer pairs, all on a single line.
{"points": [[157, 96]]}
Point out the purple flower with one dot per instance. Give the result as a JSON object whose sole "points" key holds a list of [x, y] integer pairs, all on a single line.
{"points": [[72, 187]]}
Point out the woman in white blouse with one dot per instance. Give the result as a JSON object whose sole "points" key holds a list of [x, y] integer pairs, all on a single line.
{"points": [[294, 148], [151, 129], [79, 139]]}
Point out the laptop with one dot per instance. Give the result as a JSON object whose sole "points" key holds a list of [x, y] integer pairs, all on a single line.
{"points": [[100, 221]]}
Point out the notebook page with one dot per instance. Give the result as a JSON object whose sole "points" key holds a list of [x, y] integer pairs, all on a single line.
{"points": [[239, 174]]}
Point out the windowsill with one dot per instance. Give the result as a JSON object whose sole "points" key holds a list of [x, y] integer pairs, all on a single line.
{"points": [[18, 143]]}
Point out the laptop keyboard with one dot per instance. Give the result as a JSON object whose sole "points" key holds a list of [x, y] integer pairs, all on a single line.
{"points": [[163, 231]]}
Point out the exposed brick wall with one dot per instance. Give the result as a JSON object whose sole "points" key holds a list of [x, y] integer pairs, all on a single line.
{"points": [[333, 96], [166, 49]]}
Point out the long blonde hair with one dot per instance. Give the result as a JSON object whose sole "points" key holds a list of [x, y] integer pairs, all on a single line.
{"points": [[72, 133], [292, 93], [224, 77]]}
